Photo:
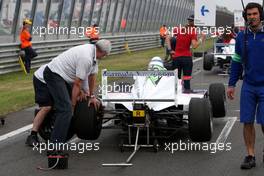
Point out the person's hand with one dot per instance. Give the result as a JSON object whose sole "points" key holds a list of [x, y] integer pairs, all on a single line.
{"points": [[93, 100], [231, 93], [172, 52], [203, 37], [83, 96]]}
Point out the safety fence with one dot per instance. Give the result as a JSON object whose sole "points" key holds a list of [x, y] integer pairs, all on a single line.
{"points": [[47, 50]]}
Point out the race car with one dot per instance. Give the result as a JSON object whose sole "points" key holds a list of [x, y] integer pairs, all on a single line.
{"points": [[156, 103], [154, 96], [150, 105], [221, 56]]}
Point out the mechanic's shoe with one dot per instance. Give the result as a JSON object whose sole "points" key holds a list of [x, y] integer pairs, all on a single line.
{"points": [[248, 162], [188, 91], [32, 140]]}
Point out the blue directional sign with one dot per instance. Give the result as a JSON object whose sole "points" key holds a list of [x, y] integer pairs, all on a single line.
{"points": [[204, 10]]}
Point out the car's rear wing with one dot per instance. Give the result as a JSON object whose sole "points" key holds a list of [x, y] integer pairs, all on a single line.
{"points": [[124, 74], [219, 46]]}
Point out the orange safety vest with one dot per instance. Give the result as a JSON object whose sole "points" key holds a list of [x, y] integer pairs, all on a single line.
{"points": [[25, 38], [163, 31], [94, 34]]}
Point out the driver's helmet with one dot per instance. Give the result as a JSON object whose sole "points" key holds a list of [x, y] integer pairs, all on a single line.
{"points": [[156, 63]]}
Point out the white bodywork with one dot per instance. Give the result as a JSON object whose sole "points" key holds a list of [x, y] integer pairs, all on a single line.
{"points": [[168, 87], [228, 50]]}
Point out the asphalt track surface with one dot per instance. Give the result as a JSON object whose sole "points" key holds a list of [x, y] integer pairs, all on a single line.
{"points": [[18, 159]]}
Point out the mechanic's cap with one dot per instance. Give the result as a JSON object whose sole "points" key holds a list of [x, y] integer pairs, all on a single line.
{"points": [[190, 18], [27, 21], [156, 61], [104, 45]]}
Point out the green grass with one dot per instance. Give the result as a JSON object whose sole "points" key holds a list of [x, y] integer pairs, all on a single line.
{"points": [[16, 92], [16, 89], [205, 46]]}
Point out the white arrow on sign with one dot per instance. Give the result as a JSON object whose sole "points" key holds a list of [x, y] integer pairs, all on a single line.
{"points": [[205, 12]]}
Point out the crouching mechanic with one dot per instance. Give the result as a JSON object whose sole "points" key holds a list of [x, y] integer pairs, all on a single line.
{"points": [[45, 102], [71, 67]]}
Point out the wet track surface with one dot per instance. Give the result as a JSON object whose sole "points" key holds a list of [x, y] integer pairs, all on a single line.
{"points": [[18, 159]]}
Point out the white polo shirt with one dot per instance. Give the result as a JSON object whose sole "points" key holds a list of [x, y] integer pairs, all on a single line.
{"points": [[78, 61]]}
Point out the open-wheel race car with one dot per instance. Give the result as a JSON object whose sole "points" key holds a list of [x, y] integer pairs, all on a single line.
{"points": [[152, 106], [221, 56]]}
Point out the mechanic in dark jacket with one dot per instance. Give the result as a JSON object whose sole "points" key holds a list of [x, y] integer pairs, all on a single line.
{"points": [[249, 57]]}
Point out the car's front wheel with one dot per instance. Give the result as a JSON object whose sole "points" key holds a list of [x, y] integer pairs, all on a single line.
{"points": [[208, 62], [217, 98]]}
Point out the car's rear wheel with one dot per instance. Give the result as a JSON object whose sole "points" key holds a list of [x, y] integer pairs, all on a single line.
{"points": [[87, 121], [200, 121], [217, 98]]}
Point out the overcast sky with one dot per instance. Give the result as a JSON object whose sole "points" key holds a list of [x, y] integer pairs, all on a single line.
{"points": [[235, 4]]}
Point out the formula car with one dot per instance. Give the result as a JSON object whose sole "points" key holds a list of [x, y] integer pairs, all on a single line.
{"points": [[150, 105], [153, 103], [221, 56]]}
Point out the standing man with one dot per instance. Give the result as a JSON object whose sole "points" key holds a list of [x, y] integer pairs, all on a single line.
{"points": [[26, 45], [72, 67], [163, 34], [249, 57], [182, 55]]}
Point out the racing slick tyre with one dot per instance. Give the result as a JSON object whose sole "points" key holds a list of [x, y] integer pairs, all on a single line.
{"points": [[217, 98], [208, 62], [87, 121], [48, 125], [200, 121]]}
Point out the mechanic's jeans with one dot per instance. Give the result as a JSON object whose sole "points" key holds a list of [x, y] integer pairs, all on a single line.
{"points": [[184, 64], [62, 103]]}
